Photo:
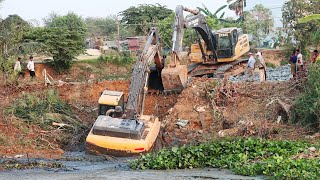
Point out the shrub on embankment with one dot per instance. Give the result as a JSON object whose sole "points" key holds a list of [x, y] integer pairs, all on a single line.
{"points": [[47, 111], [276, 159], [306, 109]]}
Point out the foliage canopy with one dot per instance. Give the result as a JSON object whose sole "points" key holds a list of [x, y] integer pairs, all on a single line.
{"points": [[144, 14], [62, 38]]}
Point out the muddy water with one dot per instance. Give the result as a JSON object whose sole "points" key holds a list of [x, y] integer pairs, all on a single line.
{"points": [[81, 166]]}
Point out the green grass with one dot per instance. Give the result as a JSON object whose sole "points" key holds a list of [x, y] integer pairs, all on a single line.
{"points": [[35, 108], [88, 61], [42, 109], [270, 65], [243, 156], [283, 63]]}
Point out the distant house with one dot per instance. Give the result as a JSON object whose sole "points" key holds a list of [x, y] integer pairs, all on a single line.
{"points": [[136, 43], [133, 43], [90, 43], [111, 44]]}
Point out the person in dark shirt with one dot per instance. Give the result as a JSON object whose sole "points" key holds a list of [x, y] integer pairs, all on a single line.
{"points": [[293, 63], [314, 56]]}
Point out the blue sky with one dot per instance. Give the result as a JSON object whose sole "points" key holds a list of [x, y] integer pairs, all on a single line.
{"points": [[39, 9]]}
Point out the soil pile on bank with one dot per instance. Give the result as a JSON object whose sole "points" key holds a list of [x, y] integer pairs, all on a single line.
{"points": [[209, 109]]}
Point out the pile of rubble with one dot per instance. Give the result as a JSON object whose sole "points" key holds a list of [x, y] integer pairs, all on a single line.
{"points": [[281, 73]]}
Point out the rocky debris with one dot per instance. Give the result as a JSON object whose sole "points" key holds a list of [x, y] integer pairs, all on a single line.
{"points": [[282, 73], [242, 128], [192, 105]]}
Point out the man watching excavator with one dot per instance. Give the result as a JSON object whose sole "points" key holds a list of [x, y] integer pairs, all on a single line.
{"points": [[261, 66], [250, 67]]}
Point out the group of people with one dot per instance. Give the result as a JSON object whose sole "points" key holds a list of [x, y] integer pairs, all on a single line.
{"points": [[298, 65], [30, 66], [252, 64]]}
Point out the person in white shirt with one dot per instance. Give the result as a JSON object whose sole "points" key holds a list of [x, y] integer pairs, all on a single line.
{"points": [[250, 67], [262, 66], [30, 67], [300, 63], [17, 67]]}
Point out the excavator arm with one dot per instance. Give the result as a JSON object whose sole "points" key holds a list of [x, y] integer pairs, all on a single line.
{"points": [[196, 21], [140, 75], [174, 77]]}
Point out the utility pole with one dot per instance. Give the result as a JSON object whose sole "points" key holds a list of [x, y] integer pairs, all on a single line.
{"points": [[118, 34]]}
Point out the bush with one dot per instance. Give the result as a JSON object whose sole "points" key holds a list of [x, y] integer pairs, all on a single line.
{"points": [[43, 109], [306, 109], [243, 156], [123, 59], [270, 65], [8, 65]]}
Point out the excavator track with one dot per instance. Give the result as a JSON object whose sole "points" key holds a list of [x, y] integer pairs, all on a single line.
{"points": [[217, 70]]}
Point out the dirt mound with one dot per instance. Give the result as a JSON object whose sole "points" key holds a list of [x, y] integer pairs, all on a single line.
{"points": [[274, 56], [192, 108], [207, 110]]}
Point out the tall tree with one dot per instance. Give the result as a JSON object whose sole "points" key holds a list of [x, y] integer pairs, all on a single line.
{"points": [[108, 27], [258, 22], [144, 15], [11, 32], [62, 38], [166, 32], [101, 26], [292, 11]]}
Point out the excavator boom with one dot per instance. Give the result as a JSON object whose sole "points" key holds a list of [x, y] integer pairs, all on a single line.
{"points": [[140, 74]]}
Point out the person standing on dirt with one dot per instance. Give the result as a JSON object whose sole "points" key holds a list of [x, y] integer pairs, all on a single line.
{"points": [[262, 66], [3, 71], [293, 64], [250, 67], [300, 63], [30, 67], [314, 56], [163, 60], [17, 67]]}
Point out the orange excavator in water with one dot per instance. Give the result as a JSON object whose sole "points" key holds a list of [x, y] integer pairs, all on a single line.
{"points": [[123, 129]]}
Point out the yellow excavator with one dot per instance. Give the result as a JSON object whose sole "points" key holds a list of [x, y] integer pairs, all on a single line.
{"points": [[123, 129], [215, 51]]}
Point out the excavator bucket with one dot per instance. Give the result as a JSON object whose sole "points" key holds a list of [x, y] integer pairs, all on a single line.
{"points": [[174, 79]]}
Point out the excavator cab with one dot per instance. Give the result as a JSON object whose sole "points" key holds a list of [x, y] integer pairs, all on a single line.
{"points": [[109, 100], [231, 45]]}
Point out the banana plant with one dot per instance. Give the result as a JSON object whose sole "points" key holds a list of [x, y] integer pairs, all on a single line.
{"points": [[207, 12], [315, 17], [309, 18]]}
